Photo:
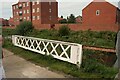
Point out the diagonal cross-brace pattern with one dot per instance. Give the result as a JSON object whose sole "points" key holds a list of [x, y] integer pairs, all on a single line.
{"points": [[71, 53]]}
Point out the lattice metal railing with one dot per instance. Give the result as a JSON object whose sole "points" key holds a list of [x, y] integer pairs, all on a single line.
{"points": [[70, 52]]}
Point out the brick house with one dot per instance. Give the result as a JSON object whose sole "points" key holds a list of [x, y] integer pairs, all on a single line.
{"points": [[78, 19], [3, 22], [11, 22], [101, 13], [36, 12]]}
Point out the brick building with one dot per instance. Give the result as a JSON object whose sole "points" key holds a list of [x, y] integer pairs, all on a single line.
{"points": [[11, 22], [101, 13], [36, 12], [3, 22]]}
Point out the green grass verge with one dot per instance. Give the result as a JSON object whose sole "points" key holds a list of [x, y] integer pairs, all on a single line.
{"points": [[90, 68], [104, 39]]}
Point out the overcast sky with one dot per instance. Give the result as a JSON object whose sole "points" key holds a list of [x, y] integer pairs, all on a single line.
{"points": [[65, 7]]}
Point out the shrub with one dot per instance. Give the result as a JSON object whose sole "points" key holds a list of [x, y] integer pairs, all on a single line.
{"points": [[63, 21], [24, 28], [64, 31]]}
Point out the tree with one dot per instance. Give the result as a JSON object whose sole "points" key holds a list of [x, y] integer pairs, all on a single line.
{"points": [[24, 28], [61, 17], [63, 21], [71, 19]]}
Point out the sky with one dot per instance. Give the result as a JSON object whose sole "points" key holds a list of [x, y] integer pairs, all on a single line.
{"points": [[65, 7]]}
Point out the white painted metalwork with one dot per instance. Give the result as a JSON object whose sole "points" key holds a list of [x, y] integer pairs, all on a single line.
{"points": [[70, 52]]}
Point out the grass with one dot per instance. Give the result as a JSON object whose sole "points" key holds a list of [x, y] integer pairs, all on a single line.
{"points": [[104, 39], [91, 66]]}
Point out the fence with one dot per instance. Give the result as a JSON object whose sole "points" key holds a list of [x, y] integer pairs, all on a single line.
{"points": [[70, 52]]}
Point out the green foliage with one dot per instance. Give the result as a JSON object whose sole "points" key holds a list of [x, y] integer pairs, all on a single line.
{"points": [[61, 17], [8, 32], [63, 21], [90, 68], [71, 19], [104, 39], [24, 28], [64, 31]]}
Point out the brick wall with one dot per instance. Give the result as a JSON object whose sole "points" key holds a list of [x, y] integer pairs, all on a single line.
{"points": [[107, 13], [77, 27]]}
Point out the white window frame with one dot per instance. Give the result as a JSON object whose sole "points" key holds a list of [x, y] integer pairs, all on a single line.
{"points": [[20, 18], [38, 9], [50, 10], [16, 6], [24, 5], [37, 2], [24, 11], [17, 13], [20, 12], [24, 18], [50, 17], [33, 17], [33, 3], [50, 2], [27, 3], [38, 17], [33, 11], [28, 18], [27, 11], [97, 12], [20, 5]]}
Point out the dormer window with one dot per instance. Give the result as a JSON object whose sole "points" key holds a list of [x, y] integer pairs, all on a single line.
{"points": [[97, 12]]}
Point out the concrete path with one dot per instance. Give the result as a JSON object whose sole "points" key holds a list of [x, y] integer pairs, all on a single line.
{"points": [[17, 67]]}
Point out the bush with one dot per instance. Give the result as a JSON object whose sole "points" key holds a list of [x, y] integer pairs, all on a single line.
{"points": [[24, 28], [63, 21], [64, 31]]}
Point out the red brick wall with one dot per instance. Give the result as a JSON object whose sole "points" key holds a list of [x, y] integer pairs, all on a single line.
{"points": [[77, 27], [107, 13]]}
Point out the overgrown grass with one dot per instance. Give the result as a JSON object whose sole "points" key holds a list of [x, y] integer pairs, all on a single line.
{"points": [[90, 68], [104, 39]]}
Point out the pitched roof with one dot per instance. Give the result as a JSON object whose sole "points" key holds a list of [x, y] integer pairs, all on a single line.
{"points": [[115, 5]]}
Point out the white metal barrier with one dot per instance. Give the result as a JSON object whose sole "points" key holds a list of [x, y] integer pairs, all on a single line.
{"points": [[70, 52]]}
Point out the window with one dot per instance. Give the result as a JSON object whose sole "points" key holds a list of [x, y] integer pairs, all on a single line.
{"points": [[28, 18], [38, 17], [20, 12], [20, 19], [24, 17], [16, 6], [20, 5], [24, 11], [27, 11], [37, 9], [33, 17], [50, 17], [33, 2], [37, 2], [24, 5], [13, 7], [50, 10], [49, 3], [16, 13], [97, 12], [33, 10], [27, 3]]}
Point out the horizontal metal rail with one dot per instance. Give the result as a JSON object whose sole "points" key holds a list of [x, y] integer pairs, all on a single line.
{"points": [[70, 52]]}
